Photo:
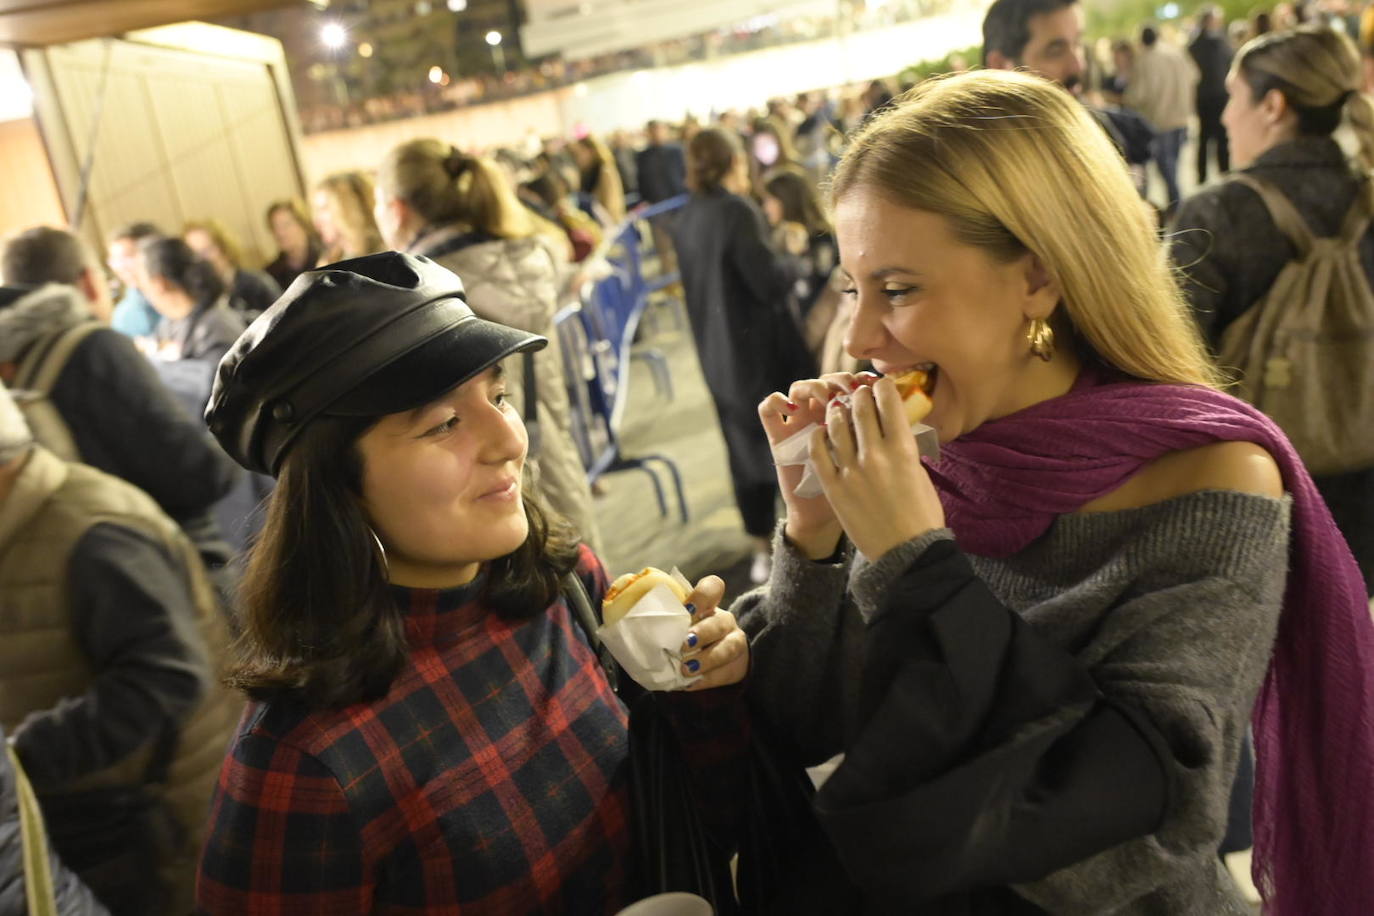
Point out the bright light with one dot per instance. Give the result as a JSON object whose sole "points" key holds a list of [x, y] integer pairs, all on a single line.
{"points": [[1168, 11], [457, 6], [580, 90], [493, 38], [436, 75], [333, 35], [365, 49]]}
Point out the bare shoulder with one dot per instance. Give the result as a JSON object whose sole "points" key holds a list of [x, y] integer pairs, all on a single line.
{"points": [[1243, 467]]}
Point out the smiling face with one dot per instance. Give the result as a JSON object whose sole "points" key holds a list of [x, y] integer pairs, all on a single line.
{"points": [[925, 299], [442, 484]]}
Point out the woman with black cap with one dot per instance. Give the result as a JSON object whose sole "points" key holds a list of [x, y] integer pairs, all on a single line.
{"points": [[431, 730]]}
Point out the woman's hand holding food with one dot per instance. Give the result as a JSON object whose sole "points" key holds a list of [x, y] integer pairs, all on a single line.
{"points": [[811, 524], [869, 467], [716, 648]]}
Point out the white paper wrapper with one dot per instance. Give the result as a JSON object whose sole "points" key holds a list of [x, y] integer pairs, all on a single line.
{"points": [[796, 449], [647, 641]]}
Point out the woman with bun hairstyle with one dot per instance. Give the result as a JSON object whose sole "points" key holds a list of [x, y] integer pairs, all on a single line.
{"points": [[461, 211], [1039, 652], [749, 344], [1289, 92], [429, 730]]}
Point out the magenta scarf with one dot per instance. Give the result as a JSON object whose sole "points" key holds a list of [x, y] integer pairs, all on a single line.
{"points": [[1004, 484]]}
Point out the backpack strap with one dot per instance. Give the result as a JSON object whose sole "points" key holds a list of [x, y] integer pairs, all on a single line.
{"points": [[37, 865], [1358, 217], [1281, 210], [580, 603], [46, 358]]}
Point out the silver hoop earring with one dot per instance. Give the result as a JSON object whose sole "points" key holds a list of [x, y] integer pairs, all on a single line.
{"points": [[386, 564]]}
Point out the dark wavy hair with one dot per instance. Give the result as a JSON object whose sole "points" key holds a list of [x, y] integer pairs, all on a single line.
{"points": [[174, 261], [316, 619]]}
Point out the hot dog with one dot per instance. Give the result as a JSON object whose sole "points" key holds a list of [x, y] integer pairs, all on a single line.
{"points": [[629, 588], [911, 385]]}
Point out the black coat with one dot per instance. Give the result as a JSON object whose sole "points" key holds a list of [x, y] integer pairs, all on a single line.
{"points": [[749, 344], [661, 172], [1212, 53]]}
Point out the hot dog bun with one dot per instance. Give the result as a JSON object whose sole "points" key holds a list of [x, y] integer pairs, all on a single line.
{"points": [[629, 588], [912, 387]]}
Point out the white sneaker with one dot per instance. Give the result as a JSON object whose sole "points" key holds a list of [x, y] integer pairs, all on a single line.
{"points": [[762, 567]]}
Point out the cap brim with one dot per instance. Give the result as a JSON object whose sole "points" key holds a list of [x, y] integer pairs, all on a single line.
{"points": [[438, 365]]}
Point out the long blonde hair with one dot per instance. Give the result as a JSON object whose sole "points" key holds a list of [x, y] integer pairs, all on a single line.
{"points": [[608, 190], [446, 186], [351, 193], [1016, 165], [1319, 73]]}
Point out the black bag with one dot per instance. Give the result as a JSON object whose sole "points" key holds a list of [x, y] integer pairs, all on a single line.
{"points": [[786, 863]]}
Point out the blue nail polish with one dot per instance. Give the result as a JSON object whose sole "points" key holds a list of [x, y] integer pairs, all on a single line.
{"points": [[691, 640], [691, 608], [693, 665]]}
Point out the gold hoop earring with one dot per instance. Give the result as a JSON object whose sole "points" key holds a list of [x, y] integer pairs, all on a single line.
{"points": [[1041, 337], [386, 564]]}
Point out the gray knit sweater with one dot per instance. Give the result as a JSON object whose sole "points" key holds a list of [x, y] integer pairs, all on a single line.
{"points": [[1171, 608]]}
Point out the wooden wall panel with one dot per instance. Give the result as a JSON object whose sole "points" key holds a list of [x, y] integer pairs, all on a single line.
{"points": [[28, 195], [182, 136]]}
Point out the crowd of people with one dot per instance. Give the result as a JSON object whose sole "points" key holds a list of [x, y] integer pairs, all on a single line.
{"points": [[297, 617]]}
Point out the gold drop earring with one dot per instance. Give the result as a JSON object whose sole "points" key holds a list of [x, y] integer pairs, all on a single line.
{"points": [[1041, 338]]}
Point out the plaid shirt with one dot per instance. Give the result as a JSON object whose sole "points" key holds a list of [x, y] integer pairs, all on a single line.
{"points": [[492, 778]]}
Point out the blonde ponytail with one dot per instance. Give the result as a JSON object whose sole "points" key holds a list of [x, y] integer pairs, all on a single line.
{"points": [[445, 186]]}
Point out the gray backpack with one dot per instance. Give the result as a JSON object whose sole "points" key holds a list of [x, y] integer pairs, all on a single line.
{"points": [[1304, 353]]}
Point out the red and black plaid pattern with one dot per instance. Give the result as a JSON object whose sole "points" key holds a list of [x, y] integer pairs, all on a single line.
{"points": [[490, 779]]}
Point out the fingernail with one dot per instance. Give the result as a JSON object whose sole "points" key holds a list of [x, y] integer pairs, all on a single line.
{"points": [[691, 608], [693, 665], [853, 386], [691, 640], [792, 407]]}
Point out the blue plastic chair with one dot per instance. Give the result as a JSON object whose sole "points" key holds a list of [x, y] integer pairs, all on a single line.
{"points": [[597, 375]]}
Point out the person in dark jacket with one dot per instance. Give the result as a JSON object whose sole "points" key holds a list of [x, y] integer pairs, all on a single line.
{"points": [[1289, 93], [110, 638], [121, 418], [197, 322], [1211, 51], [747, 340], [70, 897], [662, 174], [249, 291], [430, 729]]}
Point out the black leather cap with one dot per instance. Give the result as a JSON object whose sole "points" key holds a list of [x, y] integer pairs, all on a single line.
{"points": [[365, 337]]}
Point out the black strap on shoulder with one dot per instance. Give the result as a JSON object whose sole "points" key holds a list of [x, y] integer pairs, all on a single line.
{"points": [[531, 394], [580, 603]]}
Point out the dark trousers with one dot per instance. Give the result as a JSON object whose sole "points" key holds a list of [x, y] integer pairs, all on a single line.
{"points": [[1211, 137], [1350, 497], [1167, 146], [758, 506]]}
